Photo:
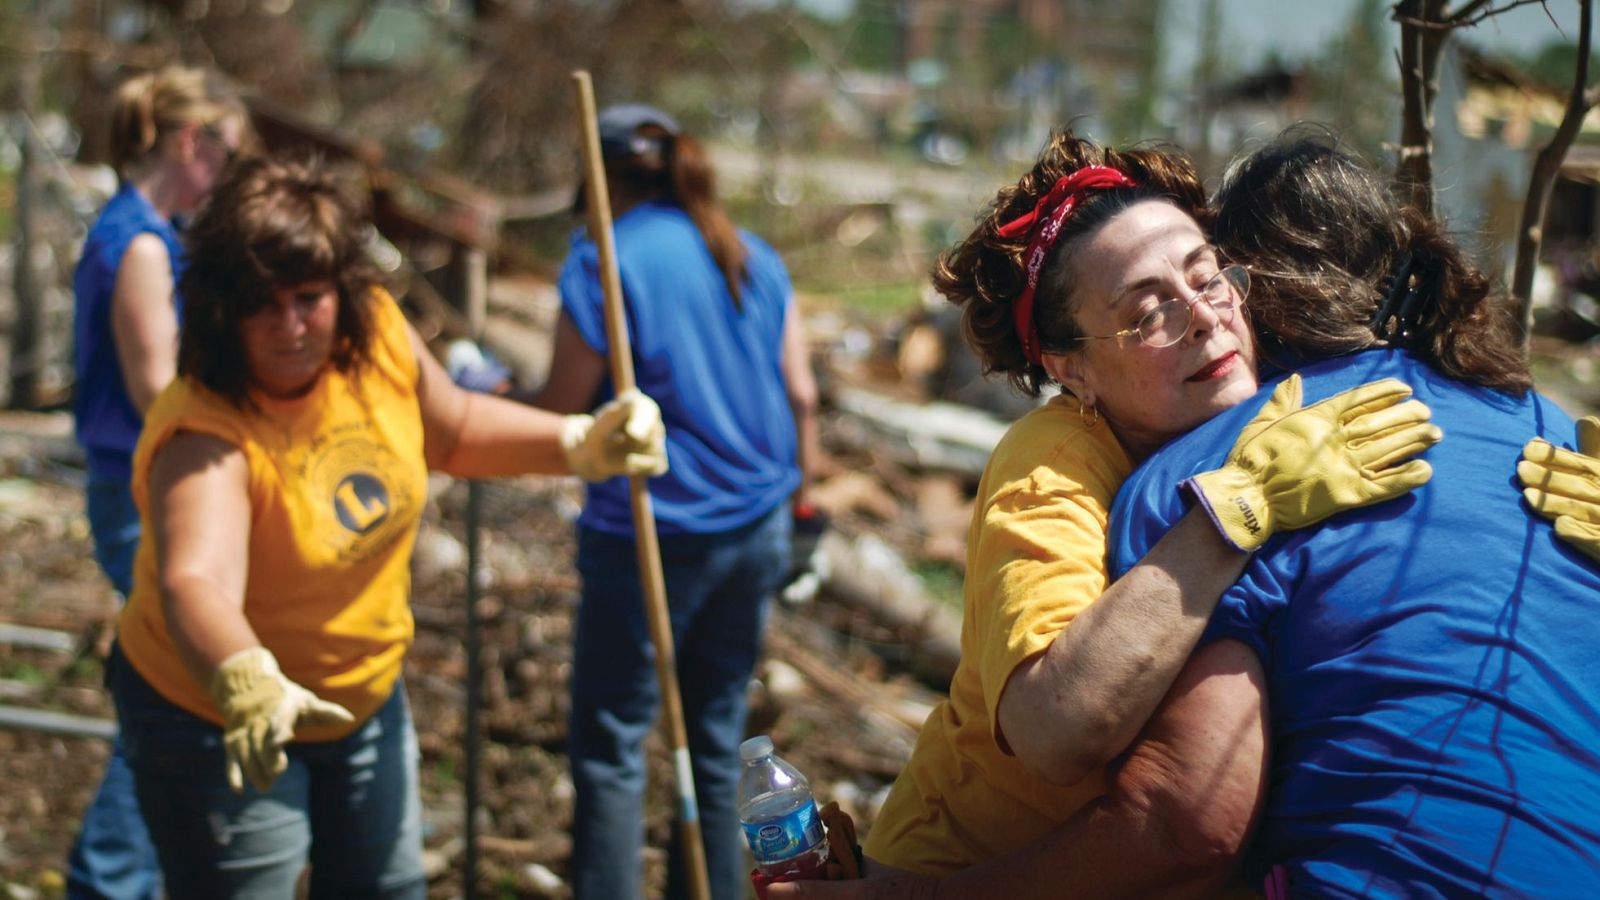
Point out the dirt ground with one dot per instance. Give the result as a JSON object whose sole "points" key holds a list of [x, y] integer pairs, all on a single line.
{"points": [[833, 688], [49, 579]]}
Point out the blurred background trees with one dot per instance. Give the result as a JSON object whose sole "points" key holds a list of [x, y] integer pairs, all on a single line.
{"points": [[861, 135]]}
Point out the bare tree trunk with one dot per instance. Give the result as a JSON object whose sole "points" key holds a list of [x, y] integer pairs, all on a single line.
{"points": [[1530, 230], [1423, 31], [1414, 170], [26, 352]]}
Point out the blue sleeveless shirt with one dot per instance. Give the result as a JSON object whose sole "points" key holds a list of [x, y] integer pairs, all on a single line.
{"points": [[715, 370], [106, 422]]}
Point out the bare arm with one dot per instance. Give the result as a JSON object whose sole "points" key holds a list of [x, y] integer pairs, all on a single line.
{"points": [[1180, 809], [1179, 813], [1068, 711], [475, 435], [144, 323], [576, 371], [200, 510], [801, 386]]}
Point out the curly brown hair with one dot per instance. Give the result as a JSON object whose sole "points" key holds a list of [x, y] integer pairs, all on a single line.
{"points": [[1322, 235], [984, 273], [272, 223]]}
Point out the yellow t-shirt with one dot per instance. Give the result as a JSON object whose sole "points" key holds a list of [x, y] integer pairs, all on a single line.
{"points": [[1035, 559], [337, 482]]}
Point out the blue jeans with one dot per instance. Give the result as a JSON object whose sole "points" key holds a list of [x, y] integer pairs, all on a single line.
{"points": [[112, 858], [114, 525], [349, 807], [718, 590]]}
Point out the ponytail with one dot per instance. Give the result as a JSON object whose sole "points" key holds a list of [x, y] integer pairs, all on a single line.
{"points": [[693, 186], [675, 165], [1465, 330]]}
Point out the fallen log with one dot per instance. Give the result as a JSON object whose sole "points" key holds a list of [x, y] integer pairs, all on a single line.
{"points": [[834, 680], [37, 638], [867, 573], [18, 719], [932, 436]]}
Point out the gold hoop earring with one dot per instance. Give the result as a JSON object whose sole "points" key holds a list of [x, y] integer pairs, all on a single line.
{"points": [[1089, 414]]}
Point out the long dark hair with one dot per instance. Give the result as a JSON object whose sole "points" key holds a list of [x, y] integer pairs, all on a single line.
{"points": [[272, 223], [679, 169], [984, 273], [1325, 240]]}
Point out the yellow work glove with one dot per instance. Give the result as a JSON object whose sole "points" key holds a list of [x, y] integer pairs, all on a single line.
{"points": [[1292, 467], [1565, 486], [260, 711], [625, 436]]}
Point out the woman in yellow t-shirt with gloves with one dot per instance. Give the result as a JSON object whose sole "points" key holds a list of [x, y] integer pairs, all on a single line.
{"points": [[282, 477]]}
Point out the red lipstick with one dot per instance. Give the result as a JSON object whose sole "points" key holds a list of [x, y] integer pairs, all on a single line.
{"points": [[1222, 366]]}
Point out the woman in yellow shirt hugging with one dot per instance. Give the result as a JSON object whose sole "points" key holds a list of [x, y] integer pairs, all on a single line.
{"points": [[282, 477], [1094, 272]]}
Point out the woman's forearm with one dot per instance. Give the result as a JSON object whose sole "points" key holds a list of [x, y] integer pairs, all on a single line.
{"points": [[1178, 813], [1076, 706], [807, 445], [800, 385], [1174, 822], [503, 437], [474, 435], [205, 627]]}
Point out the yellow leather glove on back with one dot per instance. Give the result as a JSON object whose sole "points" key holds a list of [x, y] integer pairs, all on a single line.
{"points": [[625, 436], [1292, 467], [1565, 486], [260, 711]]}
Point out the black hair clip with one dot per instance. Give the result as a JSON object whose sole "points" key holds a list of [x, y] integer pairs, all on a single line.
{"points": [[1400, 310]]}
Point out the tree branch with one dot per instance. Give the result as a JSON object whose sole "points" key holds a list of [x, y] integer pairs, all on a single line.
{"points": [[1545, 166], [1464, 17]]}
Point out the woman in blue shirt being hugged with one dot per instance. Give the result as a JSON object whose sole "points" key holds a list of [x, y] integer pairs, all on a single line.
{"points": [[173, 132], [717, 341]]}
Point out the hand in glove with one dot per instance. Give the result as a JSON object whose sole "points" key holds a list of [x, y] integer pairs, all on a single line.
{"points": [[1292, 467], [1564, 485], [625, 436], [260, 711]]}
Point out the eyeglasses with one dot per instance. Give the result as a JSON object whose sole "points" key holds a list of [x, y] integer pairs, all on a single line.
{"points": [[1169, 322]]}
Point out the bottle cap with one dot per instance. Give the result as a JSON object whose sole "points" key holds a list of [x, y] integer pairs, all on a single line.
{"points": [[755, 748]]}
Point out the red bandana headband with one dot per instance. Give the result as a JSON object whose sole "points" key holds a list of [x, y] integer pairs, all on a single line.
{"points": [[1059, 203]]}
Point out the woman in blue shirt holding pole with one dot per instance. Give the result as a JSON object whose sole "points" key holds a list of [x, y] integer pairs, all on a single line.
{"points": [[717, 341]]}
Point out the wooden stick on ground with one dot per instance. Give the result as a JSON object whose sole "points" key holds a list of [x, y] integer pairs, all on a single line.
{"points": [[644, 522]]}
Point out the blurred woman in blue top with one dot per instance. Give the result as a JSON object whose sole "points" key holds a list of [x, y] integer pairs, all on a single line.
{"points": [[717, 341], [173, 131]]}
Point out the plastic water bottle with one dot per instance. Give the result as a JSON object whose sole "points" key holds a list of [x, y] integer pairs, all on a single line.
{"points": [[779, 816]]}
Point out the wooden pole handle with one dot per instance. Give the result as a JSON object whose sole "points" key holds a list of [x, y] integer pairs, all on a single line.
{"points": [[653, 582]]}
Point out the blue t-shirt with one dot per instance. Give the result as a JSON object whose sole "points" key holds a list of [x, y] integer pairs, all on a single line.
{"points": [[1432, 666], [105, 419], [714, 369]]}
